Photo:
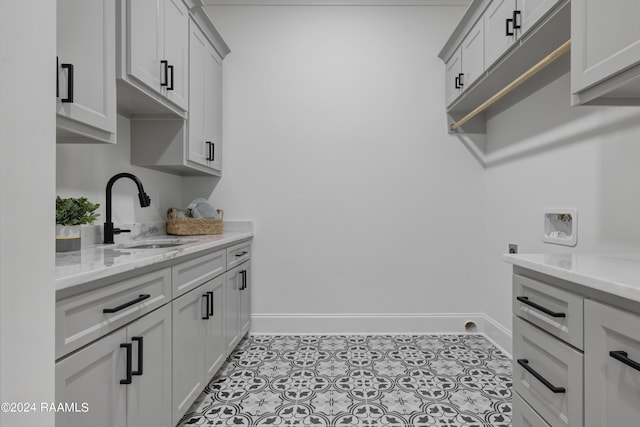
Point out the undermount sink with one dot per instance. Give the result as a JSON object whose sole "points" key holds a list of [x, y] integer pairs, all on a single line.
{"points": [[155, 244]]}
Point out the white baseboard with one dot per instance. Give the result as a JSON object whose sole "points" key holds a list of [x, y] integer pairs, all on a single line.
{"points": [[377, 323]]}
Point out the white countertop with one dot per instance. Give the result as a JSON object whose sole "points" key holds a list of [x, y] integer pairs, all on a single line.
{"points": [[617, 274], [100, 261]]}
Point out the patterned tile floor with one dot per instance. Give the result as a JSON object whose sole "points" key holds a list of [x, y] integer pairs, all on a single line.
{"points": [[359, 380]]}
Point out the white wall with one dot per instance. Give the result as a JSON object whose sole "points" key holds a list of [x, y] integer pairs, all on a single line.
{"points": [[336, 146], [84, 169], [586, 158], [27, 170]]}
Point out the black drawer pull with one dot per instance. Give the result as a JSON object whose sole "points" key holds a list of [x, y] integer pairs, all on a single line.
{"points": [[140, 356], [516, 20], [210, 303], [525, 364], [170, 86], [205, 316], [127, 304], [165, 66], [127, 380], [508, 32], [525, 300], [623, 357], [457, 82], [69, 97], [243, 253]]}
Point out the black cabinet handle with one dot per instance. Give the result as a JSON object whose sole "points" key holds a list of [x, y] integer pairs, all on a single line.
{"points": [[525, 300], [140, 356], [457, 82], [210, 303], [165, 65], [170, 86], [69, 68], [205, 316], [525, 364], [516, 20], [127, 304], [243, 283], [623, 357], [243, 253], [460, 80], [127, 347], [508, 32], [210, 150]]}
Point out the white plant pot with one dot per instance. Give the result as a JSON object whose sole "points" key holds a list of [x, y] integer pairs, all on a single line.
{"points": [[67, 238]]}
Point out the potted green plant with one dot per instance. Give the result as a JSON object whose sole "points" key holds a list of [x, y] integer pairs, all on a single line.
{"points": [[70, 214]]}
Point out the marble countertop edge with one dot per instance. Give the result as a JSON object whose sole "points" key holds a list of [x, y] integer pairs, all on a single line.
{"points": [[615, 274], [103, 261]]}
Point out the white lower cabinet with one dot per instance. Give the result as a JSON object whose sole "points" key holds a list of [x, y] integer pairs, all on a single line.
{"points": [[136, 351], [199, 342], [576, 355], [122, 379], [238, 303], [612, 366], [547, 374]]}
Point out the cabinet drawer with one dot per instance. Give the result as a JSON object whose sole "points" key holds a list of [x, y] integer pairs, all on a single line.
{"points": [[524, 416], [193, 273], [551, 364], [555, 310], [85, 317], [612, 380], [238, 254]]}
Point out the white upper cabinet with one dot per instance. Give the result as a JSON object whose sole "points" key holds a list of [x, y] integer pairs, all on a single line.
{"points": [[153, 56], [205, 124], [467, 63], [605, 52], [472, 50], [495, 42], [507, 20], [452, 77], [86, 81], [500, 28], [192, 146]]}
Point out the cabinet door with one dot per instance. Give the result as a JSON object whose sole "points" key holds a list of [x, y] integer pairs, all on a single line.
{"points": [[215, 344], [452, 76], [188, 376], [86, 41], [213, 106], [605, 40], [612, 387], [532, 11], [205, 102], [145, 20], [92, 377], [499, 33], [176, 52], [245, 298], [233, 327], [149, 394], [198, 150], [473, 55]]}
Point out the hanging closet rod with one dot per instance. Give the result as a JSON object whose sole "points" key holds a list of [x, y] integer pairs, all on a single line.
{"points": [[517, 82]]}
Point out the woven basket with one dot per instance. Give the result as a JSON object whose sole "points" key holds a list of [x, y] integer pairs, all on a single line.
{"points": [[192, 226]]}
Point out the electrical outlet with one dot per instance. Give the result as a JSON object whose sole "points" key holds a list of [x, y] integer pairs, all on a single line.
{"points": [[513, 248]]}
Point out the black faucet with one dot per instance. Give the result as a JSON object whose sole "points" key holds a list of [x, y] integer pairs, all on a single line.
{"points": [[145, 201]]}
